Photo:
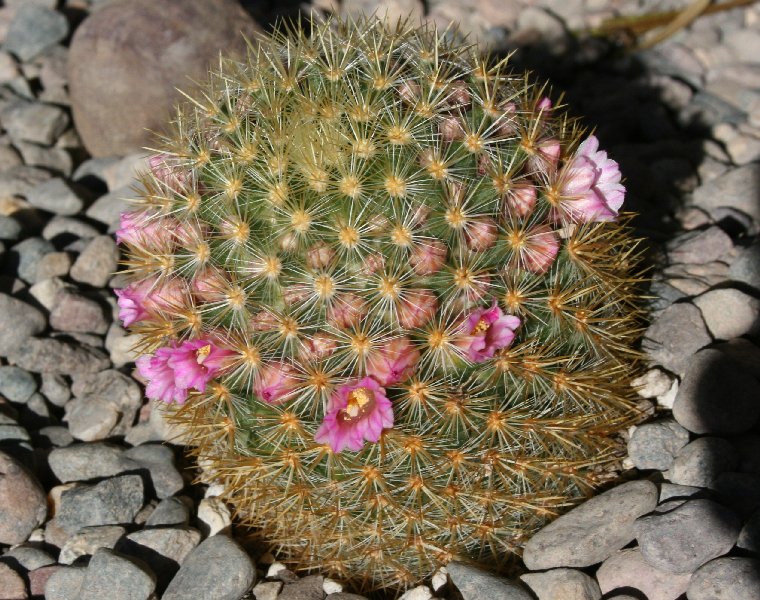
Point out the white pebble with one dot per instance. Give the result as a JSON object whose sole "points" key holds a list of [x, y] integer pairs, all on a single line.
{"points": [[275, 568], [330, 586], [214, 516], [440, 578], [421, 592]]}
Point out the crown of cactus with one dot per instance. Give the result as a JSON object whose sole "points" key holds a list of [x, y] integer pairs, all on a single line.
{"points": [[386, 284]]}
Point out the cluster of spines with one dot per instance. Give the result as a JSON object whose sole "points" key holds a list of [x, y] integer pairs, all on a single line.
{"points": [[297, 191]]}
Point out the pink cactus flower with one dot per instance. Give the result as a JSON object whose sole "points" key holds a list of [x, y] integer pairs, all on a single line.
{"points": [[481, 234], [394, 361], [591, 188], [428, 257], [264, 320], [131, 302], [141, 228], [357, 413], [162, 384], [545, 156], [540, 249], [196, 362], [318, 346], [346, 310], [521, 199], [276, 381], [544, 105], [485, 331], [416, 308]]}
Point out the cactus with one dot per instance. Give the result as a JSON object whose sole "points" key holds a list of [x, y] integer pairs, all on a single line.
{"points": [[387, 286]]}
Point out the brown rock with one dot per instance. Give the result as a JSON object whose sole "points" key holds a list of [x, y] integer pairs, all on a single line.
{"points": [[39, 578], [22, 502], [11, 584], [145, 50]]}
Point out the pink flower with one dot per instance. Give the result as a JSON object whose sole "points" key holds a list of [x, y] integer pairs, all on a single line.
{"points": [[276, 381], [487, 330], [318, 346], [481, 234], [356, 413], [162, 384], [540, 249], [521, 199], [428, 257], [591, 188], [545, 156], [394, 361], [131, 303], [196, 362], [416, 308], [346, 310], [141, 228]]}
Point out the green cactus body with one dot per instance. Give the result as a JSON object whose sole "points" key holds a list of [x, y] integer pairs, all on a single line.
{"points": [[353, 203]]}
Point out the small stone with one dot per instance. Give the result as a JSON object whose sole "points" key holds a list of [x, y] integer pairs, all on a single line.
{"points": [[675, 335], [627, 569], [112, 576], [749, 537], [16, 384], [170, 511], [738, 188], [330, 586], [65, 584], [56, 196], [729, 313], [23, 507], [10, 228], [390, 9], [726, 578], [38, 579], [34, 122], [33, 30], [159, 460], [699, 247], [440, 578], [717, 395], [12, 586], [97, 263], [214, 516], [55, 388], [218, 567], [59, 228], [655, 382], [54, 264], [701, 461], [475, 584], [746, 267], [306, 588], [267, 590], [29, 253], [18, 321], [19, 181], [654, 445], [567, 584], [592, 531], [73, 311], [123, 349], [88, 540], [54, 159], [108, 207], [45, 291], [82, 462], [421, 592], [675, 491], [110, 502], [91, 419], [29, 557], [682, 540], [164, 549], [115, 388]]}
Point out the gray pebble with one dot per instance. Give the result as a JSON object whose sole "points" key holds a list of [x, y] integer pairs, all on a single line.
{"points": [[170, 511], [65, 584], [29, 557], [18, 321], [672, 490], [54, 264], [10, 228], [115, 388], [749, 537], [68, 226], [746, 267], [562, 583], [627, 570], [34, 122], [53, 435], [682, 540], [675, 335], [110, 575], [33, 30], [74, 312], [701, 461], [55, 388], [91, 418], [16, 384], [159, 460], [475, 584], [56, 356], [717, 395], [592, 531], [108, 207], [97, 263], [88, 540], [699, 247], [23, 507], [163, 548], [729, 313], [111, 502], [45, 291], [654, 445], [54, 159], [726, 578], [218, 567], [20, 180], [82, 462], [739, 188], [29, 253], [11, 583], [56, 196]]}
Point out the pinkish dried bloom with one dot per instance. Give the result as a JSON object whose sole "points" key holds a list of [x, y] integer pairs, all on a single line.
{"points": [[275, 382], [409, 91], [319, 255], [481, 234], [346, 310], [428, 256], [295, 294], [138, 300], [131, 302], [142, 228], [394, 361], [521, 199], [540, 249], [264, 320], [357, 413], [416, 308], [458, 94], [168, 171], [545, 156], [196, 362], [161, 381], [372, 264], [318, 346], [485, 331], [209, 285], [544, 105], [507, 122], [590, 185], [450, 129]]}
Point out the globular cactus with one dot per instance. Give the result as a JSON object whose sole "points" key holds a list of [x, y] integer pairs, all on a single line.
{"points": [[387, 285]]}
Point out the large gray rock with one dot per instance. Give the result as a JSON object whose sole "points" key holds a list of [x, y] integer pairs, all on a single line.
{"points": [[18, 321], [729, 313], [16, 384], [475, 584], [727, 578], [81, 462], [97, 263], [51, 355], [74, 312], [110, 575], [685, 538], [217, 568], [701, 461], [738, 188], [22, 502], [591, 532], [65, 584], [121, 41], [654, 445], [56, 196], [699, 247], [567, 584], [675, 335], [746, 267], [717, 394], [627, 570]]}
